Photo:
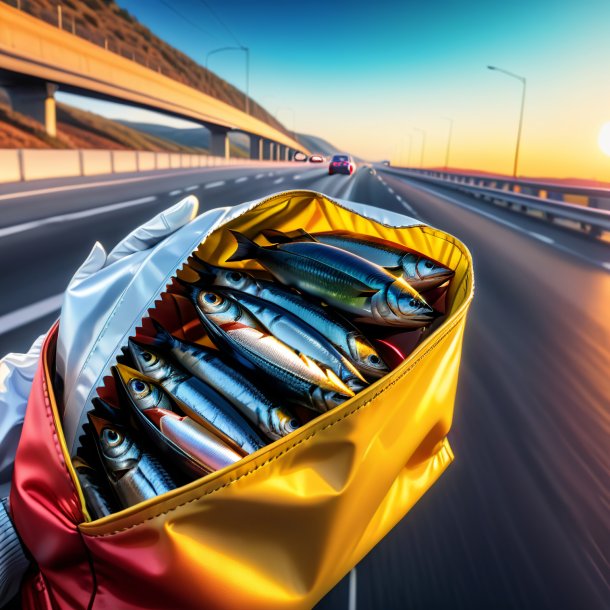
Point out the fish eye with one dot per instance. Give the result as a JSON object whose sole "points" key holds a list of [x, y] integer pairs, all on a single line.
{"points": [[111, 437], [235, 276], [148, 357], [429, 264], [374, 359], [413, 303], [211, 298], [140, 388]]}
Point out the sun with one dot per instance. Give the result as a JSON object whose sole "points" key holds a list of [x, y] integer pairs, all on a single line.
{"points": [[604, 139]]}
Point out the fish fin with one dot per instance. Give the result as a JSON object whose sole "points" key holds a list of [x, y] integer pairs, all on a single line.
{"points": [[367, 292], [279, 237], [338, 384], [163, 336], [202, 268], [246, 248], [191, 289], [393, 269]]}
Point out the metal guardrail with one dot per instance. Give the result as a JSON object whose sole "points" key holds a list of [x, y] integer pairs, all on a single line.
{"points": [[588, 217]]}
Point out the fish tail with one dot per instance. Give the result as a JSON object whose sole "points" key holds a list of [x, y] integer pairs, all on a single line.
{"points": [[246, 248]]}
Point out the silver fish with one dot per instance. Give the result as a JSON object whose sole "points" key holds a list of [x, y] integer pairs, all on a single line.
{"points": [[420, 272], [341, 279], [198, 442], [207, 365], [339, 331], [98, 503], [230, 325], [134, 474], [197, 399], [300, 336]]}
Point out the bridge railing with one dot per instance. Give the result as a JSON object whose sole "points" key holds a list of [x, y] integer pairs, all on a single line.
{"points": [[576, 207]]}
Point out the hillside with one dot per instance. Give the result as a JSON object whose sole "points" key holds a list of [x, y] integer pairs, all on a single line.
{"points": [[106, 24], [316, 144], [80, 129]]}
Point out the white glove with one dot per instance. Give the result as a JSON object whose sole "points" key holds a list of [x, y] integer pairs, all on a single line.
{"points": [[77, 325]]}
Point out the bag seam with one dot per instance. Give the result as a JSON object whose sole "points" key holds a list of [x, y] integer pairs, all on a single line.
{"points": [[441, 338]]}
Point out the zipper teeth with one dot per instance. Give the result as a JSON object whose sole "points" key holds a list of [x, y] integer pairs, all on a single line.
{"points": [[284, 440]]}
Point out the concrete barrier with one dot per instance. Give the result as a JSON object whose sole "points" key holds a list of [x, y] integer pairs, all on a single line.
{"points": [[124, 161], [146, 161], [34, 164], [162, 160], [37, 164], [10, 166], [95, 162]]}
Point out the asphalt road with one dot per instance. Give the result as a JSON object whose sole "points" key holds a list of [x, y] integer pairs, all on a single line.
{"points": [[520, 520]]}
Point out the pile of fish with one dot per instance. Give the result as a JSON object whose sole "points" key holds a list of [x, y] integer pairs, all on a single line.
{"points": [[287, 344]]}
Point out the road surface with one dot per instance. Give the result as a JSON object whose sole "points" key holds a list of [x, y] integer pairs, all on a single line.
{"points": [[520, 520]]}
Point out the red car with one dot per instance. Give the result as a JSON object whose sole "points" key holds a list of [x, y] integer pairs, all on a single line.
{"points": [[341, 164]]}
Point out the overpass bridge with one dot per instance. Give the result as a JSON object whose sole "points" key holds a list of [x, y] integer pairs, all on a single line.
{"points": [[37, 59]]}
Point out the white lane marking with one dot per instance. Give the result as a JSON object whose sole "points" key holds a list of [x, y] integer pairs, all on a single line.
{"points": [[191, 188], [391, 190], [353, 590], [258, 176], [242, 179], [270, 174], [513, 226], [91, 185], [29, 313], [544, 238], [348, 193], [174, 193], [105, 209], [299, 176], [278, 181], [212, 185]]}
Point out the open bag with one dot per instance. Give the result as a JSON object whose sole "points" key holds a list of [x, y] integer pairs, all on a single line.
{"points": [[280, 527]]}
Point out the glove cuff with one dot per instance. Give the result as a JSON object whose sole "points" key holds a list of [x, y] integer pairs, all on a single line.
{"points": [[13, 562]]}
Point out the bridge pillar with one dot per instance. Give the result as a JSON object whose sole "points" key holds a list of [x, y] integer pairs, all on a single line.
{"points": [[35, 99], [256, 147], [268, 150], [219, 141], [278, 152]]}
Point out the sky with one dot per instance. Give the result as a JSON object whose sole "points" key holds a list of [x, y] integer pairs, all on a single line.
{"points": [[377, 79]]}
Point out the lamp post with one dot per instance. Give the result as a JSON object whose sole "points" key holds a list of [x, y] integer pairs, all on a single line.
{"points": [[423, 145], [523, 81], [246, 50], [448, 141]]}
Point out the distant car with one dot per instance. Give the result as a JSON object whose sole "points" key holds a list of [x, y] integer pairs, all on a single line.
{"points": [[341, 164], [385, 163], [299, 156], [316, 159]]}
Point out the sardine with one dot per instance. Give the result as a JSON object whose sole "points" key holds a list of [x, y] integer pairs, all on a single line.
{"points": [[207, 365], [98, 502], [340, 332], [197, 399], [421, 272], [233, 327], [195, 440], [300, 336], [341, 279], [134, 474]]}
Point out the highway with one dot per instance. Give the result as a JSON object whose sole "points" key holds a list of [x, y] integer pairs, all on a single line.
{"points": [[520, 520]]}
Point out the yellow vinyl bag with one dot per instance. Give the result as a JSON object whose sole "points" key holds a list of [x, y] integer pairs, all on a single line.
{"points": [[278, 529]]}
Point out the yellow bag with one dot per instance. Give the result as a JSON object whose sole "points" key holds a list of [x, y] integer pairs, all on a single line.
{"points": [[281, 527]]}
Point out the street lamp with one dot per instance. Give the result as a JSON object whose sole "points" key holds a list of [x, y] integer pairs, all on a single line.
{"points": [[523, 82], [423, 145], [246, 50], [448, 141]]}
